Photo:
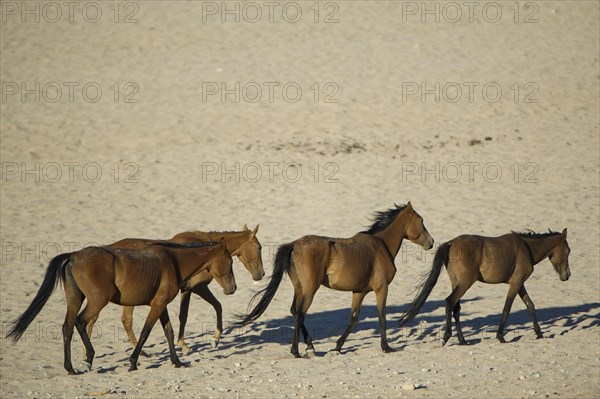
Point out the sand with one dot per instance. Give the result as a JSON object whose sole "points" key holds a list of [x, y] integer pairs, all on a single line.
{"points": [[136, 128]]}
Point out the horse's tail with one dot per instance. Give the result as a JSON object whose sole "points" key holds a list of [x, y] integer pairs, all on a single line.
{"points": [[54, 274], [283, 263], [427, 283]]}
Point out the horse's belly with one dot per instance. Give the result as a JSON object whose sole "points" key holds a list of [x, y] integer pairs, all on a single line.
{"points": [[347, 281]]}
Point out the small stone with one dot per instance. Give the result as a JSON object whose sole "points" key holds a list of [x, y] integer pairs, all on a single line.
{"points": [[522, 377], [409, 386], [237, 364]]}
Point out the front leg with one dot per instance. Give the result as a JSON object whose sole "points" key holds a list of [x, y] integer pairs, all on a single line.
{"points": [[531, 308], [168, 328], [381, 296], [357, 298], [208, 296]]}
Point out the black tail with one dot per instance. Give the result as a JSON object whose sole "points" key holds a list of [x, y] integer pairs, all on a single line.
{"points": [[282, 264], [426, 284], [54, 274]]}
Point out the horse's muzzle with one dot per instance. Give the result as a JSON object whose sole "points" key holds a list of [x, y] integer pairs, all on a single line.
{"points": [[230, 289], [429, 244]]}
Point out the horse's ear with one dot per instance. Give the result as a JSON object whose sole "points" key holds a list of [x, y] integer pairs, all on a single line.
{"points": [[409, 206], [255, 230], [564, 233], [245, 228], [222, 244]]}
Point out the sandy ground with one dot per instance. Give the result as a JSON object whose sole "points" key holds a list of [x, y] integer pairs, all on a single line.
{"points": [[510, 143]]}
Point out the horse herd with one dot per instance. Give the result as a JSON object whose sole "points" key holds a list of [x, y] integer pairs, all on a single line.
{"points": [[134, 272]]}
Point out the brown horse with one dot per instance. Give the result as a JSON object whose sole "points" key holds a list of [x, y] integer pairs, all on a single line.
{"points": [[242, 244], [506, 259], [360, 264], [150, 276]]}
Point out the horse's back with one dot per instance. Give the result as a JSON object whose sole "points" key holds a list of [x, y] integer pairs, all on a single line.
{"points": [[132, 243], [487, 259], [344, 264]]}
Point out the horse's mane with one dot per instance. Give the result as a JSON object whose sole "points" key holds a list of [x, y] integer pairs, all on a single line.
{"points": [[382, 219], [184, 245], [533, 234]]}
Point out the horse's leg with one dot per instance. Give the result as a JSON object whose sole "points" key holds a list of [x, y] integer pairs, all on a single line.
{"points": [[90, 329], [168, 328], [357, 298], [184, 307], [74, 298], [155, 311], [531, 308], [300, 307], [91, 311], [451, 302], [90, 326], [512, 293], [307, 338], [127, 320], [208, 296], [456, 311], [381, 297]]}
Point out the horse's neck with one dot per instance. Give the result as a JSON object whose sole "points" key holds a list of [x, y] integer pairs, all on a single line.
{"points": [[233, 239], [393, 234], [191, 260], [541, 247]]}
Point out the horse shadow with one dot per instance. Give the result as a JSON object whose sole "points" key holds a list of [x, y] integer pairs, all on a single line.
{"points": [[330, 324]]}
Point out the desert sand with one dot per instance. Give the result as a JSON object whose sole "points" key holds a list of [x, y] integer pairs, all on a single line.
{"points": [[144, 119]]}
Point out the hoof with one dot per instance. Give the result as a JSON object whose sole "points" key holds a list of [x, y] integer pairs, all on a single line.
{"points": [[179, 364], [387, 349], [184, 348], [501, 339], [539, 336], [133, 368], [73, 372], [310, 352], [333, 352], [214, 342], [87, 366]]}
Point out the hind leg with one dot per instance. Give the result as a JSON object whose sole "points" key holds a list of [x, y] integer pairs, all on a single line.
{"points": [[127, 320], [510, 297], [456, 311], [184, 307], [74, 298], [91, 311], [305, 334], [302, 303], [451, 302]]}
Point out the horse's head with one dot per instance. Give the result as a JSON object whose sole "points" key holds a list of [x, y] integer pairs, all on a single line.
{"points": [[221, 269], [416, 231], [249, 253], [559, 257]]}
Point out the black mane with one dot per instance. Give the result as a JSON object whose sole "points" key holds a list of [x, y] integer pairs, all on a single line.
{"points": [[382, 219], [533, 234], [184, 245]]}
